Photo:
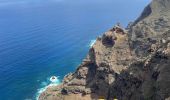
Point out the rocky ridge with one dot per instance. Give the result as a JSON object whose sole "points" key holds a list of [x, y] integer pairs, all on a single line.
{"points": [[130, 64]]}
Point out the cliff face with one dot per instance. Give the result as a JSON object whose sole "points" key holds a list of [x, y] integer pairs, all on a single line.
{"points": [[123, 64], [153, 25]]}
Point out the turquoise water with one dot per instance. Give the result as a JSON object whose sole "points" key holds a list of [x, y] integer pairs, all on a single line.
{"points": [[42, 38]]}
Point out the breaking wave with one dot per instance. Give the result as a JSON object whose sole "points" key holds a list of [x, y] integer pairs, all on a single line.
{"points": [[44, 85], [92, 43]]}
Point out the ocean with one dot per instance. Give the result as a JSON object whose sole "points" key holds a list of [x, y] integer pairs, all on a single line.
{"points": [[44, 38]]}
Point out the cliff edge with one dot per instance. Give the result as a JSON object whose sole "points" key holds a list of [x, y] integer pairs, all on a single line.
{"points": [[130, 64]]}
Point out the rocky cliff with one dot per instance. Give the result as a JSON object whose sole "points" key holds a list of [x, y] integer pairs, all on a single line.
{"points": [[130, 64]]}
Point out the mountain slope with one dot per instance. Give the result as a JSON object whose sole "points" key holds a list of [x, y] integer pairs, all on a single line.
{"points": [[123, 64]]}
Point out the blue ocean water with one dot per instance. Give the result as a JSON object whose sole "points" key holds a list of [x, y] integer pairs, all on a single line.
{"points": [[42, 38]]}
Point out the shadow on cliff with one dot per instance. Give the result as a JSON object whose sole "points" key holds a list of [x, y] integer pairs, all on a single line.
{"points": [[143, 80], [140, 81]]}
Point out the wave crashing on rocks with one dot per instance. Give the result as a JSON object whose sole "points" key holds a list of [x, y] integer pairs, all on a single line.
{"points": [[52, 81]]}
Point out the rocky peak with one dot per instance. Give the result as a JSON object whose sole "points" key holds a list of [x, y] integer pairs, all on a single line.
{"points": [[156, 8], [152, 26], [160, 6]]}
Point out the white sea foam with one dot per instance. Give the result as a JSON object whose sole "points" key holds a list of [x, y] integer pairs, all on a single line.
{"points": [[54, 79], [47, 84], [92, 43]]}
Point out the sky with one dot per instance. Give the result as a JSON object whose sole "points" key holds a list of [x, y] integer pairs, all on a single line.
{"points": [[27, 2]]}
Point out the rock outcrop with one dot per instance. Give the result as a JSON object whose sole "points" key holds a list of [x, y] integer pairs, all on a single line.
{"points": [[124, 64]]}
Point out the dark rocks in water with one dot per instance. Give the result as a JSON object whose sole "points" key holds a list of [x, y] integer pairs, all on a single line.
{"points": [[132, 65]]}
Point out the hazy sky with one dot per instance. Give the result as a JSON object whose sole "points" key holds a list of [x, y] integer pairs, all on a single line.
{"points": [[26, 2], [125, 10]]}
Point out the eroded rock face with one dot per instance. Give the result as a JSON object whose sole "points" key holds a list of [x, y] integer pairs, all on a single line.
{"points": [[131, 65], [153, 24], [109, 56]]}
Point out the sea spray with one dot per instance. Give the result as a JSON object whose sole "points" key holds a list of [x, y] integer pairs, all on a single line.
{"points": [[45, 84], [92, 43]]}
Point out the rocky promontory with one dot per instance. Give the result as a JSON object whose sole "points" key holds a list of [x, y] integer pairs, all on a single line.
{"points": [[124, 64]]}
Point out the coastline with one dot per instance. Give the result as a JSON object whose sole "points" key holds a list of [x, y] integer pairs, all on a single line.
{"points": [[48, 84], [130, 64]]}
